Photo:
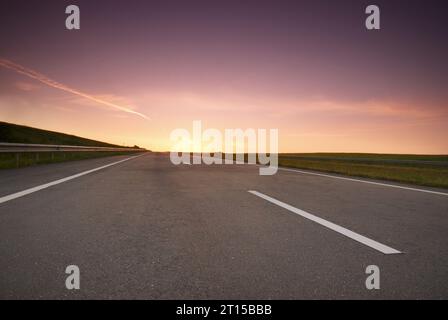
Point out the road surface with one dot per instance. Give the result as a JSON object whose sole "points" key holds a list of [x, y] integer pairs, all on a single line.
{"points": [[146, 229]]}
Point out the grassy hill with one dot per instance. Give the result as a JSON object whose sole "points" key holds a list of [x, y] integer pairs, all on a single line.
{"points": [[14, 133]]}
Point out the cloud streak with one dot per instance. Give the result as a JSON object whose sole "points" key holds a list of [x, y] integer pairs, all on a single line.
{"points": [[54, 84]]}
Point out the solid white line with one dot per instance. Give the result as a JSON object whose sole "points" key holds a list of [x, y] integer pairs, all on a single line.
{"points": [[364, 181], [47, 185], [330, 225]]}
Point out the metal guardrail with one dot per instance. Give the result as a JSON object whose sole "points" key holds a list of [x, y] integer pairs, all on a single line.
{"points": [[19, 148], [23, 147]]}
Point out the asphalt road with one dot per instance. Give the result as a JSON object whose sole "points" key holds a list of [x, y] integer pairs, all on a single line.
{"points": [[147, 229]]}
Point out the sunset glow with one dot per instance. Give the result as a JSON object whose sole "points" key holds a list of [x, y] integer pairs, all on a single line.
{"points": [[309, 71]]}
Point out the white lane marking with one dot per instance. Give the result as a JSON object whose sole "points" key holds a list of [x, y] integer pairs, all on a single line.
{"points": [[364, 181], [351, 179], [330, 225], [356, 180], [47, 185]]}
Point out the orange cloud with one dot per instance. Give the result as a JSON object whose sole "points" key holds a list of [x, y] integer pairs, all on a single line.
{"points": [[49, 82], [26, 86]]}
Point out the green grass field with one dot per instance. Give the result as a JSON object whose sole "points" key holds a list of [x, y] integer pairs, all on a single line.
{"points": [[425, 170]]}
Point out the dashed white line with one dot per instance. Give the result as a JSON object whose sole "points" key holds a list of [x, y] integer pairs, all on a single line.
{"points": [[330, 225], [53, 183]]}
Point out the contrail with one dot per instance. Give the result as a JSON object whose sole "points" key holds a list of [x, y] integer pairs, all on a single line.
{"points": [[49, 82]]}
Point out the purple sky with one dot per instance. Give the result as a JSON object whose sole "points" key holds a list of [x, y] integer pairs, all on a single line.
{"points": [[308, 68]]}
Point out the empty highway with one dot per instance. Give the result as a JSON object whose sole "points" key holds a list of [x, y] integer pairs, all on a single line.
{"points": [[143, 228]]}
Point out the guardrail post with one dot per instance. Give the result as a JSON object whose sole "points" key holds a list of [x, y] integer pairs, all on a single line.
{"points": [[17, 159]]}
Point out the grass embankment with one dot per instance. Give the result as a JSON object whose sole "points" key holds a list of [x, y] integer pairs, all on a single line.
{"points": [[13, 133], [425, 170]]}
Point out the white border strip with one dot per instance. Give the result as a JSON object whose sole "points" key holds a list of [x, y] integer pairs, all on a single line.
{"points": [[330, 225], [50, 184], [364, 181]]}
